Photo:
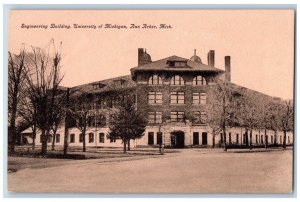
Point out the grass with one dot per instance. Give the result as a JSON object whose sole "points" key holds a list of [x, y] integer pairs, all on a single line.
{"points": [[24, 157]]}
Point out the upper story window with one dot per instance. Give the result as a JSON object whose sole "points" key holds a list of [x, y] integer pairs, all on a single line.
{"points": [[199, 81], [155, 117], [155, 98], [177, 98], [155, 80], [199, 98], [177, 116], [177, 80]]}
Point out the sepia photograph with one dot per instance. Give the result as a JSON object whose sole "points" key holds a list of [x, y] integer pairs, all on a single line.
{"points": [[151, 101]]}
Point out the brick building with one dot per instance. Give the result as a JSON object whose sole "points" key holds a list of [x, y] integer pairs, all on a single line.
{"points": [[172, 93]]}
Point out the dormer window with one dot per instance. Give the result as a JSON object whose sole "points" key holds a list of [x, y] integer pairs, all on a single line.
{"points": [[177, 80], [172, 63], [98, 86], [119, 82], [155, 80]]}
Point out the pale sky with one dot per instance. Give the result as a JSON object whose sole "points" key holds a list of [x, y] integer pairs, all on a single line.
{"points": [[260, 42]]}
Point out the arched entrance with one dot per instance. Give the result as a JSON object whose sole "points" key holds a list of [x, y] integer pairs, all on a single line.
{"points": [[177, 139]]}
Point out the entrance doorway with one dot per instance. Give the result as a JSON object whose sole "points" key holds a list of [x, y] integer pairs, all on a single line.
{"points": [[177, 139]]}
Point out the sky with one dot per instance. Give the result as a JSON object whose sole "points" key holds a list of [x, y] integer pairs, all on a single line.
{"points": [[260, 42]]}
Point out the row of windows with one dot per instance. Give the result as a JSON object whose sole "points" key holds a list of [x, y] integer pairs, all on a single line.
{"points": [[177, 80], [176, 98], [258, 139], [159, 138], [156, 117], [91, 138], [50, 138]]}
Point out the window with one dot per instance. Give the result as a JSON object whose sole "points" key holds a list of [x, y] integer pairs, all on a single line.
{"points": [[199, 98], [155, 80], [200, 117], [101, 137], [289, 141], [199, 81], [112, 140], [177, 116], [98, 86], [177, 80], [155, 98], [57, 138], [280, 139], [72, 138], [261, 139], [150, 138], [272, 139], [229, 138], [237, 138], [80, 137], [155, 117], [91, 137], [177, 97], [159, 137], [49, 138], [101, 120]]}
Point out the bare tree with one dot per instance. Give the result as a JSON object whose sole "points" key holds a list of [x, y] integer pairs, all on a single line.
{"points": [[17, 72], [81, 114], [43, 81]]}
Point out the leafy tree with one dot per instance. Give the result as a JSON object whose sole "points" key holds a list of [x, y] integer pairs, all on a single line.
{"points": [[248, 114], [286, 118], [127, 123], [221, 109]]}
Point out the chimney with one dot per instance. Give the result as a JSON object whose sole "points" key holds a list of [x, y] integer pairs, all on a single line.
{"points": [[140, 56], [227, 69], [211, 58]]}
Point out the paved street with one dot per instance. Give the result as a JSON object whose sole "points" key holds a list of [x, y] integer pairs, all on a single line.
{"points": [[189, 171]]}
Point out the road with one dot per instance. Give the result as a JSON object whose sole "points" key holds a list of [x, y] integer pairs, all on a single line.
{"points": [[190, 171]]}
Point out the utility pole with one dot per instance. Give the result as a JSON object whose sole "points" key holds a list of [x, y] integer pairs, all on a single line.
{"points": [[66, 138]]}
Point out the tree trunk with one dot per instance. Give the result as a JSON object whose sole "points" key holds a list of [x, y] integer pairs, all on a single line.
{"points": [[66, 136], [247, 139], [53, 141], [124, 147], [275, 137], [266, 142], [250, 142], [33, 138], [44, 142], [224, 138], [13, 131], [83, 142], [128, 145], [284, 139]]}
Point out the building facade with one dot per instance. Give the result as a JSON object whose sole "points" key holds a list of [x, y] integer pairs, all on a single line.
{"points": [[172, 93]]}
